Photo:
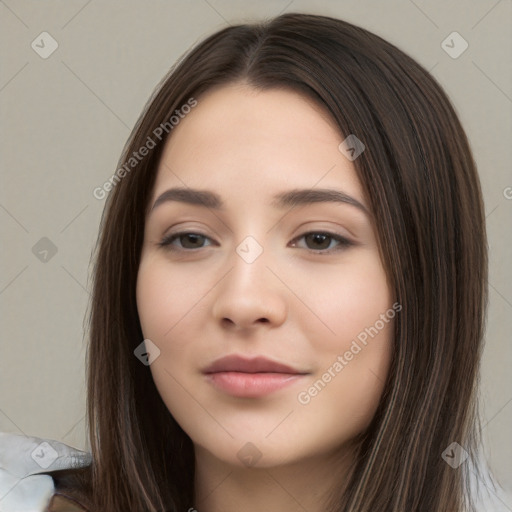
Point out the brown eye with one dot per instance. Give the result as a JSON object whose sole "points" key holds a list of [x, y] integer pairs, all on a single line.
{"points": [[187, 240], [320, 241]]}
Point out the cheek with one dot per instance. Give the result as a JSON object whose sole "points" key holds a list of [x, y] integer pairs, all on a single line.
{"points": [[354, 354], [168, 306], [150, 299], [347, 302], [340, 400], [166, 299]]}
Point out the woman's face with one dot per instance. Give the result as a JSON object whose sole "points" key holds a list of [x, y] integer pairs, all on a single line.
{"points": [[294, 294]]}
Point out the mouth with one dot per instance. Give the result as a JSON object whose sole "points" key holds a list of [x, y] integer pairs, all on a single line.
{"points": [[250, 378]]}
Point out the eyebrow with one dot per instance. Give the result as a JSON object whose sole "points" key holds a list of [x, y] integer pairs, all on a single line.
{"points": [[282, 200]]}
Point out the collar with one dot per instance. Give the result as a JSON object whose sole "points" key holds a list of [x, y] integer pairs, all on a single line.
{"points": [[25, 485]]}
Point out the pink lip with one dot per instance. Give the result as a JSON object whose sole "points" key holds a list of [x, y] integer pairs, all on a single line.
{"points": [[250, 378]]}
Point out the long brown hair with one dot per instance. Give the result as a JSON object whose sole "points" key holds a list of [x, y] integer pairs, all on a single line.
{"points": [[420, 178]]}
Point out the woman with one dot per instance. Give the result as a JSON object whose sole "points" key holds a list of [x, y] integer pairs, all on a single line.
{"points": [[290, 286]]}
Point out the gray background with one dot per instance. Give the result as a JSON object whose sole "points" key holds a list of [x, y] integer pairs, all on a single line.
{"points": [[65, 120]]}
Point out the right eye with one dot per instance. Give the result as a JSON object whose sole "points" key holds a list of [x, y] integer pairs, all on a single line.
{"points": [[188, 240]]}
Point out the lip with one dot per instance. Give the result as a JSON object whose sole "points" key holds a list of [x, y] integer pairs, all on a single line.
{"points": [[250, 378], [260, 364]]}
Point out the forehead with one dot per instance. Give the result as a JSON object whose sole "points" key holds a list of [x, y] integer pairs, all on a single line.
{"points": [[246, 140]]}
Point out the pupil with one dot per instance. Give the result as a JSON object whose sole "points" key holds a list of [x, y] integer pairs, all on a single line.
{"points": [[319, 238], [193, 237]]}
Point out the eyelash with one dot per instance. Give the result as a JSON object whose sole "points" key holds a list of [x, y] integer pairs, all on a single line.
{"points": [[344, 243]]}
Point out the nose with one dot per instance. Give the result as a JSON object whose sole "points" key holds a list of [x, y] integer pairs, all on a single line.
{"points": [[250, 294]]}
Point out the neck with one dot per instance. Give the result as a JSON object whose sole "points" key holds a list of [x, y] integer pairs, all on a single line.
{"points": [[302, 486]]}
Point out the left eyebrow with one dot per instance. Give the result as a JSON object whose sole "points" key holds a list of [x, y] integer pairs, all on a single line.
{"points": [[283, 200], [297, 197]]}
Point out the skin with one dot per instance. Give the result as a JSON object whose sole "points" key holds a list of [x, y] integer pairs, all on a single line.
{"points": [[291, 304]]}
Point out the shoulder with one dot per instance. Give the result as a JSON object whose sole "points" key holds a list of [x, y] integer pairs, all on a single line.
{"points": [[41, 475]]}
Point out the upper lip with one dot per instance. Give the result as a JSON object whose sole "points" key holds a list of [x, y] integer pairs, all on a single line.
{"points": [[234, 363]]}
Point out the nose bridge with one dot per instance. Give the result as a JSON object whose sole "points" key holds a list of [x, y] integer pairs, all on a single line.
{"points": [[248, 265], [249, 250], [249, 292]]}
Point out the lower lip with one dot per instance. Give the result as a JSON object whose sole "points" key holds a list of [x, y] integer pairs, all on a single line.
{"points": [[251, 385]]}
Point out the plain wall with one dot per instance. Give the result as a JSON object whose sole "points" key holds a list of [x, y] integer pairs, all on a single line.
{"points": [[66, 118]]}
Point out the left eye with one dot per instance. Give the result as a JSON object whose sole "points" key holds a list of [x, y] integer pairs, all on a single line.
{"points": [[321, 240]]}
